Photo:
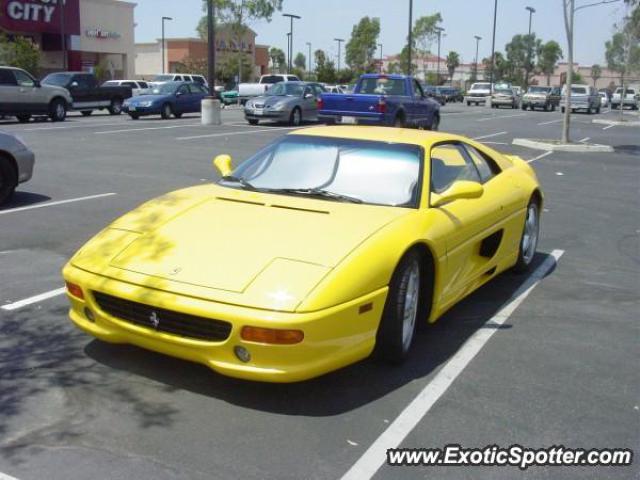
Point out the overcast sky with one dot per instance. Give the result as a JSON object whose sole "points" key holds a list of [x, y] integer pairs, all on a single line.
{"points": [[323, 20]]}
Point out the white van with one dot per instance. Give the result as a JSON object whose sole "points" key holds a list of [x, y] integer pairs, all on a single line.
{"points": [[180, 77]]}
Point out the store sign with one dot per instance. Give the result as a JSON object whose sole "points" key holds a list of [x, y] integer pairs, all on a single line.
{"points": [[42, 16], [99, 33]]}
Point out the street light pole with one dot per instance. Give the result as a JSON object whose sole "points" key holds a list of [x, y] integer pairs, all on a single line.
{"points": [[493, 46], [381, 69], [210, 106], [439, 30], [339, 40], [291, 17], [288, 50], [309, 45], [529, 42], [163, 42], [475, 69], [410, 35]]}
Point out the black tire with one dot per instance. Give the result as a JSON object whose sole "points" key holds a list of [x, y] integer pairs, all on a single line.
{"points": [[86, 113], [468, 104], [134, 116], [295, 119], [58, 110], [398, 122], [562, 109], [23, 117], [553, 107], [166, 111], [177, 115], [116, 106], [524, 107], [8, 179], [526, 249], [253, 121], [614, 106], [396, 330], [598, 110], [435, 125]]}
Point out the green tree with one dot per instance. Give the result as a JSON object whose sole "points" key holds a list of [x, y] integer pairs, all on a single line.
{"points": [[403, 60], [548, 57], [278, 60], [521, 57], [20, 52], [424, 33], [453, 62], [503, 70], [325, 69], [300, 61], [361, 47], [596, 73]]}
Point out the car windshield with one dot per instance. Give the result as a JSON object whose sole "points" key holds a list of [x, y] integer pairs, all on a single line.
{"points": [[335, 169], [539, 90], [480, 86], [162, 78], [579, 90], [504, 91], [164, 89], [57, 79], [286, 88]]}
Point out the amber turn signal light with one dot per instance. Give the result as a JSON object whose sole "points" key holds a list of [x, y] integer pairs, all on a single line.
{"points": [[75, 290], [271, 335]]}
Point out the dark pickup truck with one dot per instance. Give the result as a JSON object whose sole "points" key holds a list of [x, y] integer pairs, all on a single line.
{"points": [[389, 100], [87, 93]]}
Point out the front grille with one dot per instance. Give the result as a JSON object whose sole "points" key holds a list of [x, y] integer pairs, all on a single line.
{"points": [[161, 320]]}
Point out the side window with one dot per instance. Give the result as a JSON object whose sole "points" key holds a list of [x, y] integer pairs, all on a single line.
{"points": [[307, 89], [418, 89], [184, 89], [198, 79], [293, 78], [449, 164], [187, 78], [177, 78], [143, 85], [7, 77], [23, 79], [129, 84], [82, 81], [487, 168]]}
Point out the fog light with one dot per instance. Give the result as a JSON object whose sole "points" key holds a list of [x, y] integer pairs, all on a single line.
{"points": [[242, 353], [89, 314]]}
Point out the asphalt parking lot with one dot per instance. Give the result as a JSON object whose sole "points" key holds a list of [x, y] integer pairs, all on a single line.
{"points": [[559, 367]]}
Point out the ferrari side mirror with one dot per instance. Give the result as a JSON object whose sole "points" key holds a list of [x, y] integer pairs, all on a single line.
{"points": [[223, 164]]}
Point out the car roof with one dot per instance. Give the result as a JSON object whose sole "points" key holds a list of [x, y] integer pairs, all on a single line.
{"points": [[393, 76]]}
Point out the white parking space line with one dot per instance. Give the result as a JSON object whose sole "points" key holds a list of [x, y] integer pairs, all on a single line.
{"points": [[125, 130], [31, 300], [376, 455], [552, 121], [66, 127], [584, 139], [490, 135], [542, 155], [495, 143], [608, 127], [245, 132], [52, 204], [4, 476], [501, 117]]}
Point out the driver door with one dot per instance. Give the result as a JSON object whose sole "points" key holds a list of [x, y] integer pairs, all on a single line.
{"points": [[309, 103], [475, 231]]}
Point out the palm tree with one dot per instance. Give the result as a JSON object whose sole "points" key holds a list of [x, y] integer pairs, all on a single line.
{"points": [[596, 73], [453, 62]]}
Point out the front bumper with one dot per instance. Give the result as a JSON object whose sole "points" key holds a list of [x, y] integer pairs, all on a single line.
{"points": [[142, 111], [536, 102], [25, 160], [503, 101], [333, 338], [257, 114]]}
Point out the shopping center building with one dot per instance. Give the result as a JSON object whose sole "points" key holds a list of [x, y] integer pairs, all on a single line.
{"points": [[75, 34]]}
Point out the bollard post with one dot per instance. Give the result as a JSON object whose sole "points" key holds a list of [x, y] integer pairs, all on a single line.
{"points": [[211, 111]]}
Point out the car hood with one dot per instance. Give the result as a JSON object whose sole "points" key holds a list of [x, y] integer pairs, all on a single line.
{"points": [[233, 246], [272, 100]]}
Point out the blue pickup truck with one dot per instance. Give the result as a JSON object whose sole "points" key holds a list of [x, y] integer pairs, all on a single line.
{"points": [[389, 100]]}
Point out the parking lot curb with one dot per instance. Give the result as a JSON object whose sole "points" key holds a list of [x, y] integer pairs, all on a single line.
{"points": [[630, 123], [562, 147]]}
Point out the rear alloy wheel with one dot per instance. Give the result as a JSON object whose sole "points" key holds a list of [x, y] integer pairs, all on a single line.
{"points": [[116, 106], [23, 118], [399, 122], [8, 180], [529, 240], [166, 111], [86, 113], [134, 116], [58, 110], [295, 119], [253, 121], [398, 324]]}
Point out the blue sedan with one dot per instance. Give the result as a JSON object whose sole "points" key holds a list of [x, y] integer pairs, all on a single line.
{"points": [[171, 98]]}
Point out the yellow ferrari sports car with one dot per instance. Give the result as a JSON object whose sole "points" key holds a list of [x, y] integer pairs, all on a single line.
{"points": [[326, 246]]}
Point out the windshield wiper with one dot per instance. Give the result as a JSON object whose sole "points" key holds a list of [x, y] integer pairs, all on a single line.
{"points": [[318, 192], [239, 180]]}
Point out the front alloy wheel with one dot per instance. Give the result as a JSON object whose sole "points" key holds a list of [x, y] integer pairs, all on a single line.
{"points": [[530, 236]]}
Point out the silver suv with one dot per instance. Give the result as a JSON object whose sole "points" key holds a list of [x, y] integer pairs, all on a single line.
{"points": [[583, 97], [22, 96]]}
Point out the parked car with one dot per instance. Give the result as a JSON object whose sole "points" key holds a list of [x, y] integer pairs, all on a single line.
{"points": [[16, 164], [22, 96], [87, 95], [229, 97], [630, 98], [583, 97], [324, 247], [433, 92], [333, 88], [505, 97], [137, 86], [391, 100], [250, 90], [546, 98], [291, 102], [604, 99], [478, 93], [180, 77], [451, 94], [167, 99]]}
